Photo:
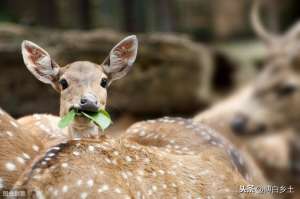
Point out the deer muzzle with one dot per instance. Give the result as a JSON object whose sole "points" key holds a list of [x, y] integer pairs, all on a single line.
{"points": [[89, 103]]}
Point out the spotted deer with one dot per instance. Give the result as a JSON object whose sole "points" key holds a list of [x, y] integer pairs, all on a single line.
{"points": [[164, 158], [82, 85], [184, 160], [18, 149], [268, 104]]}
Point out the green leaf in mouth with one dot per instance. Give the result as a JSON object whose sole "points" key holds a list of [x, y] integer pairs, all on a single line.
{"points": [[67, 119], [100, 118]]}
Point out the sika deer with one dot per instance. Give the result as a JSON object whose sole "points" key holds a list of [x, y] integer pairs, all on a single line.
{"points": [[183, 160], [273, 101], [82, 84], [123, 167], [18, 149], [268, 104]]}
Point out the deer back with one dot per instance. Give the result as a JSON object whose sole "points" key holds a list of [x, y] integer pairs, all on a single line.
{"points": [[18, 148], [128, 168]]}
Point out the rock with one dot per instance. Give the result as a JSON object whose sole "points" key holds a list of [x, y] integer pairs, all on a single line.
{"points": [[172, 73]]}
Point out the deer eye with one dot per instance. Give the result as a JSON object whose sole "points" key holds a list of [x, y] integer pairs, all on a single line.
{"points": [[64, 84], [104, 82], [286, 90]]}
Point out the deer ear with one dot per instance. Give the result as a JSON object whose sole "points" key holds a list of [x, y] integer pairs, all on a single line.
{"points": [[39, 63], [121, 58]]}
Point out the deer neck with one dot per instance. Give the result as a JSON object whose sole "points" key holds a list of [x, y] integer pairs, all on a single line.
{"points": [[82, 128]]}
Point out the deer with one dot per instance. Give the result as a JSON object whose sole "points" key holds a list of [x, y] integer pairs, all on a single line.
{"points": [[81, 84], [17, 150], [124, 167], [176, 157], [267, 108]]}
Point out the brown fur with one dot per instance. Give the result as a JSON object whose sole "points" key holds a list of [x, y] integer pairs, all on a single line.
{"points": [[18, 149], [128, 168], [271, 101], [82, 78]]}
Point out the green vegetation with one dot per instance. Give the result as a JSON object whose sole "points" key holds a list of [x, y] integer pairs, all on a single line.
{"points": [[100, 118]]}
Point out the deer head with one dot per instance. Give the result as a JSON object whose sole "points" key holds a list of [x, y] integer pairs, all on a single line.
{"points": [[82, 84], [275, 96]]}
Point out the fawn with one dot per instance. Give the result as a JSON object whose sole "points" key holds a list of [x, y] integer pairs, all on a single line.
{"points": [[82, 84], [164, 158]]}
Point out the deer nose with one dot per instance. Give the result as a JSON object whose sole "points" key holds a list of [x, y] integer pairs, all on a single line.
{"points": [[89, 103], [239, 124]]}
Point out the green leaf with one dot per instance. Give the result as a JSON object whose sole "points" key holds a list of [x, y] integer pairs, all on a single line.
{"points": [[67, 119], [101, 118]]}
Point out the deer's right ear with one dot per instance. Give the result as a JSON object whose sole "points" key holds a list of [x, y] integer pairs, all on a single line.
{"points": [[39, 63]]}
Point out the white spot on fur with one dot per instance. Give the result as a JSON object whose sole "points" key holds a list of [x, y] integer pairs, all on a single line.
{"points": [[108, 160], [14, 123], [128, 159], [76, 153], [79, 182], [103, 188], [90, 183], [142, 133], [64, 165], [65, 189], [117, 190], [51, 154], [39, 194], [55, 192], [161, 172], [139, 178], [20, 160], [25, 155], [10, 166], [124, 175], [83, 195], [56, 148], [154, 188], [35, 148], [9, 133], [91, 148]]}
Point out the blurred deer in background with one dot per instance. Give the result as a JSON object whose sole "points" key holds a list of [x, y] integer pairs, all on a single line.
{"points": [[82, 85], [268, 104]]}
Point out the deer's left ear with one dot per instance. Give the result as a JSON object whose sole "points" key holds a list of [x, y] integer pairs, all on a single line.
{"points": [[121, 58]]}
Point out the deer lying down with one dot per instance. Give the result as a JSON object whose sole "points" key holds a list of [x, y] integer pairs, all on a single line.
{"points": [[210, 167], [166, 165], [18, 150], [267, 105]]}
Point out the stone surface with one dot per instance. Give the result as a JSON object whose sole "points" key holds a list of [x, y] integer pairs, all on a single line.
{"points": [[172, 74]]}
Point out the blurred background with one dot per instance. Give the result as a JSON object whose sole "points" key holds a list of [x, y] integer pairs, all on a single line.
{"points": [[192, 52]]}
